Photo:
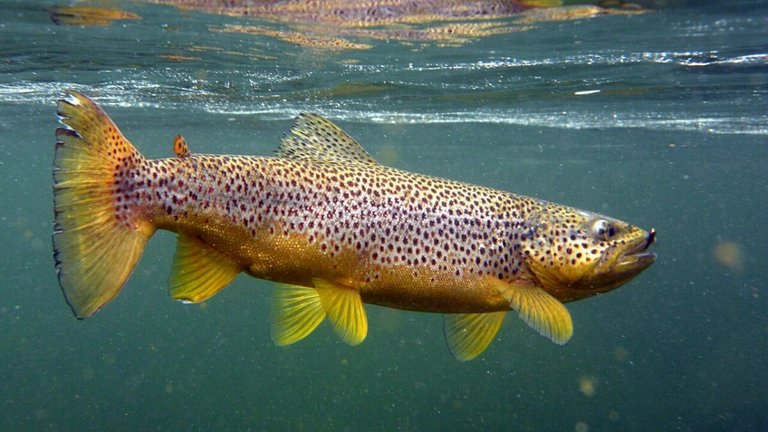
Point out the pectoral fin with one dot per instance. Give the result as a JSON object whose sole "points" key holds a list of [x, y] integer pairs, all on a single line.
{"points": [[344, 309], [538, 309], [199, 271], [468, 335], [296, 312]]}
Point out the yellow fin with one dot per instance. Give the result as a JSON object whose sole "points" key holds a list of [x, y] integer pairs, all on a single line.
{"points": [[468, 335], [344, 308], [296, 312], [314, 137], [199, 271], [95, 248], [539, 310]]}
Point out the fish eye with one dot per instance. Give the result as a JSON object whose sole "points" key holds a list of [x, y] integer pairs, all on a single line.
{"points": [[602, 229]]}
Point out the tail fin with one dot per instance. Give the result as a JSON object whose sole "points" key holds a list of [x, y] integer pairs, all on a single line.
{"points": [[96, 243]]}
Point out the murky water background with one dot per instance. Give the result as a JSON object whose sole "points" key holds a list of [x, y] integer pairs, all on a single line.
{"points": [[658, 118]]}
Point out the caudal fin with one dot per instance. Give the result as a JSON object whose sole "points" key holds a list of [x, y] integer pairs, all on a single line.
{"points": [[97, 240]]}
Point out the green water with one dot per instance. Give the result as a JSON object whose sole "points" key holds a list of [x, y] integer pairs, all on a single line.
{"points": [[676, 139]]}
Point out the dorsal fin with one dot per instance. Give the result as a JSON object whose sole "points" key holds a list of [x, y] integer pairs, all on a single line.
{"points": [[313, 137]]}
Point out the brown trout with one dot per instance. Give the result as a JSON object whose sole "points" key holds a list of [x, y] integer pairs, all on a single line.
{"points": [[334, 227]]}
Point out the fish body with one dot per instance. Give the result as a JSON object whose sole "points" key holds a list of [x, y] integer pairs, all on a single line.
{"points": [[335, 227]]}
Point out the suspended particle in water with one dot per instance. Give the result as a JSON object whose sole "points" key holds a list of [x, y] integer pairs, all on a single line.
{"points": [[730, 255], [581, 427], [388, 155], [587, 386], [620, 353]]}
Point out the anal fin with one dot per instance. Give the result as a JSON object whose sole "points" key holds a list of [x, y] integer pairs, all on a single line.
{"points": [[468, 335], [296, 312], [199, 271], [537, 308], [344, 308]]}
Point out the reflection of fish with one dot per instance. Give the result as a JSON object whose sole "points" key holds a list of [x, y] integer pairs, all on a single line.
{"points": [[329, 24], [88, 15], [361, 13], [369, 13], [340, 229]]}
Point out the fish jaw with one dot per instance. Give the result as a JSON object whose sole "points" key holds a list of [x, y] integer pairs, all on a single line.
{"points": [[638, 258], [628, 262], [575, 254]]}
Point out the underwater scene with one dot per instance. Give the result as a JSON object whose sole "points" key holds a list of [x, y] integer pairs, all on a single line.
{"points": [[652, 112]]}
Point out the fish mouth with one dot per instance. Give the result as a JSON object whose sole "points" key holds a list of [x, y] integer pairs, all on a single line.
{"points": [[618, 266], [637, 257]]}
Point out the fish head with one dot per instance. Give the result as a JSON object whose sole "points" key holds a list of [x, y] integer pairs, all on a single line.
{"points": [[575, 254]]}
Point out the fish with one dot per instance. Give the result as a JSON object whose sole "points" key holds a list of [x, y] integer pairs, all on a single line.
{"points": [[333, 227]]}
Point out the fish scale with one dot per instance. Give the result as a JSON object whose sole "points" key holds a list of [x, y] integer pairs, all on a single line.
{"points": [[336, 228]]}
